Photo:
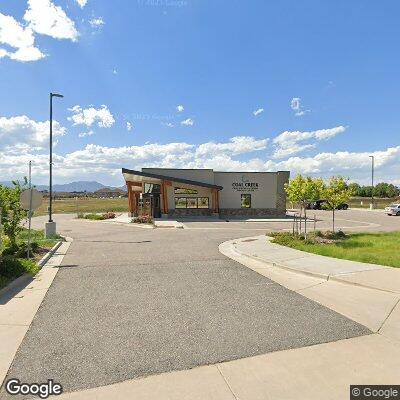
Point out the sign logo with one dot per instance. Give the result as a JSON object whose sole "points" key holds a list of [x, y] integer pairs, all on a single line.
{"points": [[245, 185]]}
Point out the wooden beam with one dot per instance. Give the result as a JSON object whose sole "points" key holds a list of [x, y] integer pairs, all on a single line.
{"points": [[163, 197], [166, 199], [135, 203], [130, 197], [135, 183]]}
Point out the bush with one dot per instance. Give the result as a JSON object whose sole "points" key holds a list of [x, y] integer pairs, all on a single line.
{"points": [[317, 237], [11, 267], [94, 217], [97, 217], [143, 219], [109, 215]]}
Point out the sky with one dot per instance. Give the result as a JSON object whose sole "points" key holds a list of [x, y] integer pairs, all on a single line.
{"points": [[308, 86]]}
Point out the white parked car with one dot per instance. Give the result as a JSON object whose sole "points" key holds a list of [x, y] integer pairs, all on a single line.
{"points": [[393, 209]]}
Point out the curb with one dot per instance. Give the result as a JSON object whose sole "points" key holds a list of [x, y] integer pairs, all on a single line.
{"points": [[10, 346], [21, 281], [46, 258], [271, 264]]}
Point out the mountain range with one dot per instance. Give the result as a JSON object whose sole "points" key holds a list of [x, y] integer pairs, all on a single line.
{"points": [[78, 186]]}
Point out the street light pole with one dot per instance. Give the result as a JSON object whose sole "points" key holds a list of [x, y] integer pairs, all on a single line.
{"points": [[51, 226], [372, 180]]}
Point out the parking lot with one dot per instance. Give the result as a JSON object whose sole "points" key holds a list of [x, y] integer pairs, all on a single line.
{"points": [[352, 220]]}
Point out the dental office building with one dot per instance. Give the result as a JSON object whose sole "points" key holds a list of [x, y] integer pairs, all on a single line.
{"points": [[205, 192]]}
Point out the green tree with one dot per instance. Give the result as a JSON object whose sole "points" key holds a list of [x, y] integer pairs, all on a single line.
{"points": [[356, 189], [303, 190], [12, 213], [384, 189], [336, 193]]}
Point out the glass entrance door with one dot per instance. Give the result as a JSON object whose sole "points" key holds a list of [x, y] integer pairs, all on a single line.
{"points": [[156, 206]]}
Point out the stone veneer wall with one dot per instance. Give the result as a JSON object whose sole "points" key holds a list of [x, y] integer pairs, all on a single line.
{"points": [[190, 212], [282, 178], [254, 212]]}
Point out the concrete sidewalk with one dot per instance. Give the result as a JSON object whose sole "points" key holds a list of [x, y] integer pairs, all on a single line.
{"points": [[19, 305], [366, 293]]}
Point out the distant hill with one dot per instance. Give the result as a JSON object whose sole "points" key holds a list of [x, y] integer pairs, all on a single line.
{"points": [[79, 186]]}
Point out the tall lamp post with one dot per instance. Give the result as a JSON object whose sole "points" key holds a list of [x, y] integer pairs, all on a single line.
{"points": [[372, 181], [50, 227]]}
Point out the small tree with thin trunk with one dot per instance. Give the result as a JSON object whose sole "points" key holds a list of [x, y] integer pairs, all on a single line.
{"points": [[302, 190], [12, 212], [335, 193]]}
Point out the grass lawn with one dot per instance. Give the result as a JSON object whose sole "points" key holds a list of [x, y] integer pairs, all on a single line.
{"points": [[14, 263], [373, 248], [84, 205]]}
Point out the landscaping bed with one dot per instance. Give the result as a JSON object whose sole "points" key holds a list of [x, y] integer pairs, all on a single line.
{"points": [[372, 248], [14, 262], [96, 216]]}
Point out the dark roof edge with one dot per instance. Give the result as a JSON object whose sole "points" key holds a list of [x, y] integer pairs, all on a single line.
{"points": [[170, 178], [249, 172]]}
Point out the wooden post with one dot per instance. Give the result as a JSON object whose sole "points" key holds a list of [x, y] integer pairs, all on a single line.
{"points": [[165, 197], [130, 198]]}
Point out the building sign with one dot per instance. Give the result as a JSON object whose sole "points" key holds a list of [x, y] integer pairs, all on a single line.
{"points": [[245, 185]]}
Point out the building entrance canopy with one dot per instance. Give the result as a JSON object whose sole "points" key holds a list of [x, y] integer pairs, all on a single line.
{"points": [[167, 187]]}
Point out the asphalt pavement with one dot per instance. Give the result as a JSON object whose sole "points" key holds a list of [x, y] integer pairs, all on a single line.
{"points": [[130, 302]]}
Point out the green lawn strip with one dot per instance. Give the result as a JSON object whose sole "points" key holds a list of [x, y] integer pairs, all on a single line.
{"points": [[372, 248], [13, 262]]}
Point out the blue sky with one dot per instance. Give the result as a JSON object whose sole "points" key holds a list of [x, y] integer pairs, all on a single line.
{"points": [[324, 77]]}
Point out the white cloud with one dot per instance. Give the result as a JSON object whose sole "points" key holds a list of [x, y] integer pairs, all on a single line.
{"points": [[45, 18], [296, 106], [21, 133], [168, 124], [188, 122], [41, 17], [82, 3], [351, 164], [84, 134], [96, 22], [21, 38], [283, 152], [236, 145], [93, 161], [180, 108], [287, 143], [129, 126], [91, 115], [258, 111]]}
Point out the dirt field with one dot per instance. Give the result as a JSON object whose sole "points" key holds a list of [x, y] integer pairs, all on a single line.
{"points": [[64, 206]]}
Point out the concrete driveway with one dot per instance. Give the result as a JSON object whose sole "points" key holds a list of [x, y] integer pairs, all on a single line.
{"points": [[130, 302]]}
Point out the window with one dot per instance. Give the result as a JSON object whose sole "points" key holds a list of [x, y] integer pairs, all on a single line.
{"points": [[179, 190], [245, 200], [191, 202], [152, 188], [180, 202], [202, 202]]}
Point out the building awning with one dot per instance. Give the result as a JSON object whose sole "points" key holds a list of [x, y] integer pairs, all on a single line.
{"points": [[139, 176]]}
